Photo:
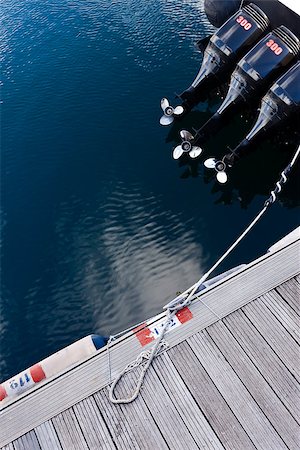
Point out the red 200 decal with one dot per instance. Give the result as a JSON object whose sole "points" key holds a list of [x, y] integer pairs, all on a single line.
{"points": [[274, 47], [244, 22]]}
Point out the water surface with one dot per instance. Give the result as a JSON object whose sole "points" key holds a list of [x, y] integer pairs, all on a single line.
{"points": [[100, 227]]}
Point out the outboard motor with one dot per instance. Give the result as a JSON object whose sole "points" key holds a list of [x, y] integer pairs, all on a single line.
{"points": [[223, 51], [262, 64], [280, 103]]}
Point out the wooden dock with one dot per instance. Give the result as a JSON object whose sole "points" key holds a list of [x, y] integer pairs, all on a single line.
{"points": [[228, 380]]}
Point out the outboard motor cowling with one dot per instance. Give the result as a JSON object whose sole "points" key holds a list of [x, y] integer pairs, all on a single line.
{"points": [[281, 102], [224, 49], [261, 65], [226, 46]]}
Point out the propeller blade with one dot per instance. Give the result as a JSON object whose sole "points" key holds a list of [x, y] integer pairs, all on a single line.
{"points": [[195, 152], [164, 103], [222, 177], [186, 135], [178, 110], [210, 163], [166, 120], [177, 152]]}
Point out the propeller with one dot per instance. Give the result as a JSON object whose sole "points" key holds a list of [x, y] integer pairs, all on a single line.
{"points": [[186, 146], [169, 112], [219, 166], [210, 163]]}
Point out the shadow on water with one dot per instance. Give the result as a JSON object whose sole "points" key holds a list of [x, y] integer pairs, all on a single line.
{"points": [[253, 175]]}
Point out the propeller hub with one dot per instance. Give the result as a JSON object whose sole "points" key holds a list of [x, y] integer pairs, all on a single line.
{"points": [[186, 146], [220, 166], [169, 111]]}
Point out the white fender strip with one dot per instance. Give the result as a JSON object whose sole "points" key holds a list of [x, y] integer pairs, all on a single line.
{"points": [[48, 367]]}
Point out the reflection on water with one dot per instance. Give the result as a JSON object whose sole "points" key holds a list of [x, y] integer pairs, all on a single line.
{"points": [[129, 261], [99, 227]]}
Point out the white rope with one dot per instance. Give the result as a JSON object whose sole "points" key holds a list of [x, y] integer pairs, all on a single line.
{"points": [[149, 355], [116, 336], [295, 157], [145, 358], [191, 291], [210, 309]]}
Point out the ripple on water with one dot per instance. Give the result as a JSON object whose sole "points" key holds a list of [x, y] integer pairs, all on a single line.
{"points": [[126, 266], [98, 229]]}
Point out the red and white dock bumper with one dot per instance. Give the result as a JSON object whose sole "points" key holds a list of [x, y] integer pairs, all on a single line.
{"points": [[48, 367], [146, 332]]}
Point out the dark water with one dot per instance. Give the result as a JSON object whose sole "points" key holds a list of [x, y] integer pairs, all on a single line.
{"points": [[100, 227]]}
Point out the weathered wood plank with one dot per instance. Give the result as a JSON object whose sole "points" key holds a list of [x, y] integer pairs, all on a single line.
{"points": [[92, 425], [186, 406], [68, 431], [290, 292], [8, 447], [165, 414], [219, 415], [131, 425], [283, 312], [247, 411], [27, 441], [272, 407], [47, 436], [266, 361], [275, 334], [292, 282], [297, 277]]}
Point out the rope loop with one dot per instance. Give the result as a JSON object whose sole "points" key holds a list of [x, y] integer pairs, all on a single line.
{"points": [[144, 360]]}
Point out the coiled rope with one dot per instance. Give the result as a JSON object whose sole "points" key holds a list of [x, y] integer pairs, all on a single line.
{"points": [[145, 358]]}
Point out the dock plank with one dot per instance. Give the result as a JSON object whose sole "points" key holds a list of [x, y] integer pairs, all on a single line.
{"points": [[292, 282], [8, 447], [68, 431], [92, 425], [260, 390], [283, 312], [221, 418], [275, 334], [131, 425], [290, 292], [266, 361], [27, 441], [252, 419], [165, 414], [47, 436], [186, 406]]}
